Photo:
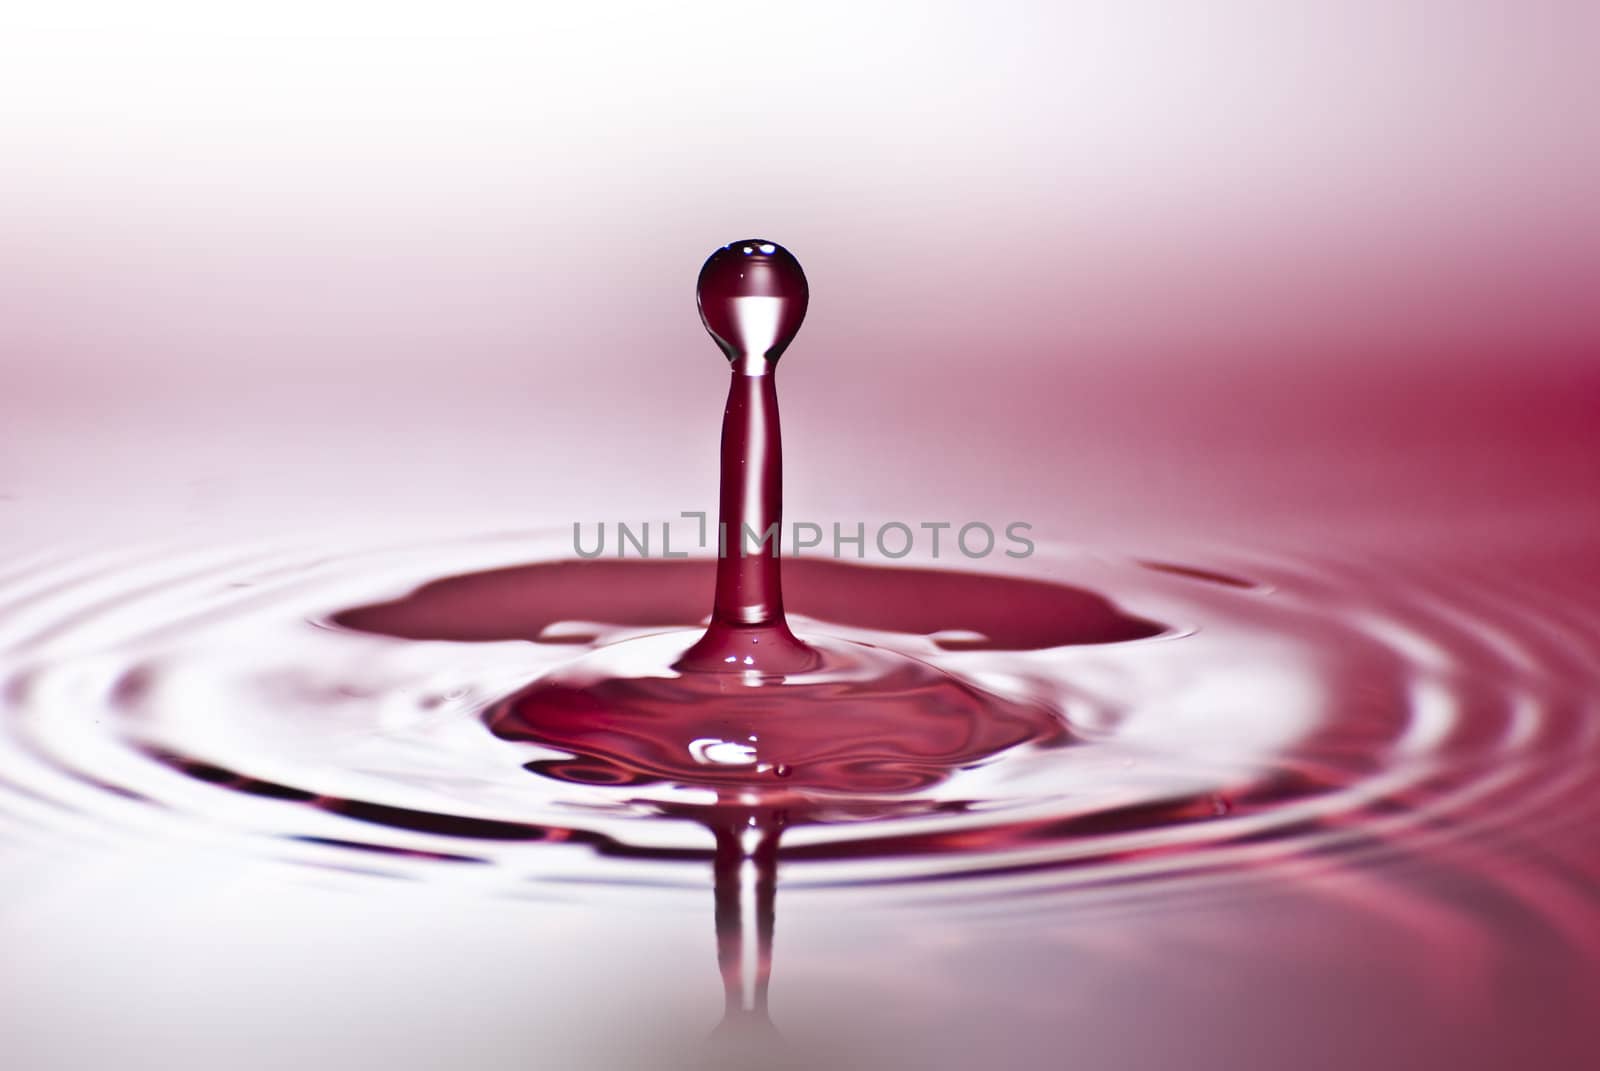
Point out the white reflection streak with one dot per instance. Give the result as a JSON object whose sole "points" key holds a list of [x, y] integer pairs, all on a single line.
{"points": [[749, 921], [757, 318]]}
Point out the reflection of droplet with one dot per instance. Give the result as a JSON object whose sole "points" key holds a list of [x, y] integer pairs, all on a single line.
{"points": [[954, 639], [711, 751], [573, 632]]}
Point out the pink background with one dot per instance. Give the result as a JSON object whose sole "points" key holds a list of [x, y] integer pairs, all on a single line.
{"points": [[423, 261]]}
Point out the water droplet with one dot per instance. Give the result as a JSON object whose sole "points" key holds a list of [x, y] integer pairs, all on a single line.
{"points": [[752, 298]]}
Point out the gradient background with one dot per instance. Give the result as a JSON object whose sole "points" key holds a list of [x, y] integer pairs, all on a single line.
{"points": [[1152, 276]]}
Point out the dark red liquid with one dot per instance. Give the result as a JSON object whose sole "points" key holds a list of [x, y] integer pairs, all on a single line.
{"points": [[1364, 731], [993, 613], [752, 298], [748, 704], [779, 726], [1293, 303]]}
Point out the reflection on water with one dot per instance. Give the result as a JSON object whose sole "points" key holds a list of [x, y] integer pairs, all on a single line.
{"points": [[746, 879], [1387, 731]]}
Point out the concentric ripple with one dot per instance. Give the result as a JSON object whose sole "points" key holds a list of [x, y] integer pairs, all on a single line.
{"points": [[1228, 716]]}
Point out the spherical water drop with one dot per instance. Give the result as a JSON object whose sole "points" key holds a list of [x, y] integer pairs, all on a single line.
{"points": [[752, 298]]}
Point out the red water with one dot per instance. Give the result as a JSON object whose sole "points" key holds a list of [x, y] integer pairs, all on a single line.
{"points": [[779, 725], [793, 731], [748, 704], [1299, 772], [752, 297], [322, 324]]}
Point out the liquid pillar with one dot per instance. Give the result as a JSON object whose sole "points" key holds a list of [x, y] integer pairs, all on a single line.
{"points": [[785, 731], [752, 298]]}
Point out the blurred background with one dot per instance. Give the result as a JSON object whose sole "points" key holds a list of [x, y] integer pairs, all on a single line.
{"points": [[1145, 274], [445, 254]]}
